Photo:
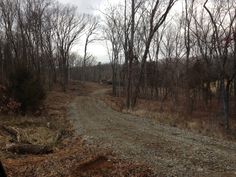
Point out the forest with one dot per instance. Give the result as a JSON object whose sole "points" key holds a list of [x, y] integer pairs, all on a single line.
{"points": [[175, 56], [185, 58]]}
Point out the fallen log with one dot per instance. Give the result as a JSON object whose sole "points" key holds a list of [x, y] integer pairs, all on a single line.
{"points": [[14, 133], [9, 131], [2, 171], [29, 149]]}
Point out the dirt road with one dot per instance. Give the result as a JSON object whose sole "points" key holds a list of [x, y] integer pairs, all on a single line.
{"points": [[169, 151]]}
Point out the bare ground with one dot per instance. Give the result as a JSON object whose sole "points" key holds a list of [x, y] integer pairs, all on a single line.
{"points": [[167, 150]]}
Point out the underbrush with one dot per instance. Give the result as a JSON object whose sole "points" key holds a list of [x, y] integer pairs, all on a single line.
{"points": [[72, 156], [78, 160], [204, 121], [49, 128]]}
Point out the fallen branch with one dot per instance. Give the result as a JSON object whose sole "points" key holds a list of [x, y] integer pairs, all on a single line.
{"points": [[29, 149], [9, 131]]}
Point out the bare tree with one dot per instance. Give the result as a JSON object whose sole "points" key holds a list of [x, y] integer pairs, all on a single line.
{"points": [[69, 26], [91, 31], [155, 22], [113, 34], [8, 19], [222, 21]]}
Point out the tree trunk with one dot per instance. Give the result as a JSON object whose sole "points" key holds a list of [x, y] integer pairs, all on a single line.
{"points": [[225, 100], [144, 58], [114, 80], [130, 58], [65, 74]]}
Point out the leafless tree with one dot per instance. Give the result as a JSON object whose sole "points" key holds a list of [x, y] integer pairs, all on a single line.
{"points": [[222, 21], [113, 35], [69, 26], [91, 32], [156, 20]]}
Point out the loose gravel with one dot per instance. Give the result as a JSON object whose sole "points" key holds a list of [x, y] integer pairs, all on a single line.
{"points": [[169, 151]]}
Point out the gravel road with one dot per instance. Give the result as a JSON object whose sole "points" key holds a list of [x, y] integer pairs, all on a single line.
{"points": [[167, 150]]}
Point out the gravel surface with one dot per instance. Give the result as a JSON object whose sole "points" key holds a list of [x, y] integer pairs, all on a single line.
{"points": [[167, 150]]}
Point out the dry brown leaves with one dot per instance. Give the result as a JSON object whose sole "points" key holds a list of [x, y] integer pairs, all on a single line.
{"points": [[71, 157], [74, 160], [203, 121]]}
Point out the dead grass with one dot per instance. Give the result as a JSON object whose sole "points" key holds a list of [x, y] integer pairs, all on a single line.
{"points": [[202, 121], [78, 160], [41, 129], [72, 157]]}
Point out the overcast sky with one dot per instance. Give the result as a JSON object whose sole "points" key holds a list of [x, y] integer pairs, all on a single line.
{"points": [[85, 6], [97, 49]]}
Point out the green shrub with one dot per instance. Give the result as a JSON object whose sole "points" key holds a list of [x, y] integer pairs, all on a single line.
{"points": [[26, 87]]}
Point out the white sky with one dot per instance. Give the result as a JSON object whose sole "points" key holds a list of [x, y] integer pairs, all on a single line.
{"points": [[97, 49]]}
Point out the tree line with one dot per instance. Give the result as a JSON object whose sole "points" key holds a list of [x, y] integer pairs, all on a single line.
{"points": [[39, 35], [36, 39], [179, 51], [185, 56]]}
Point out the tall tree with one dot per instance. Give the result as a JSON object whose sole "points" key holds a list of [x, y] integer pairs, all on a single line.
{"points": [[90, 32], [69, 26], [156, 20], [222, 21]]}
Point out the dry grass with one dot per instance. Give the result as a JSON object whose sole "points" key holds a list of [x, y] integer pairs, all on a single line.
{"points": [[202, 121], [72, 157], [78, 160], [41, 129]]}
